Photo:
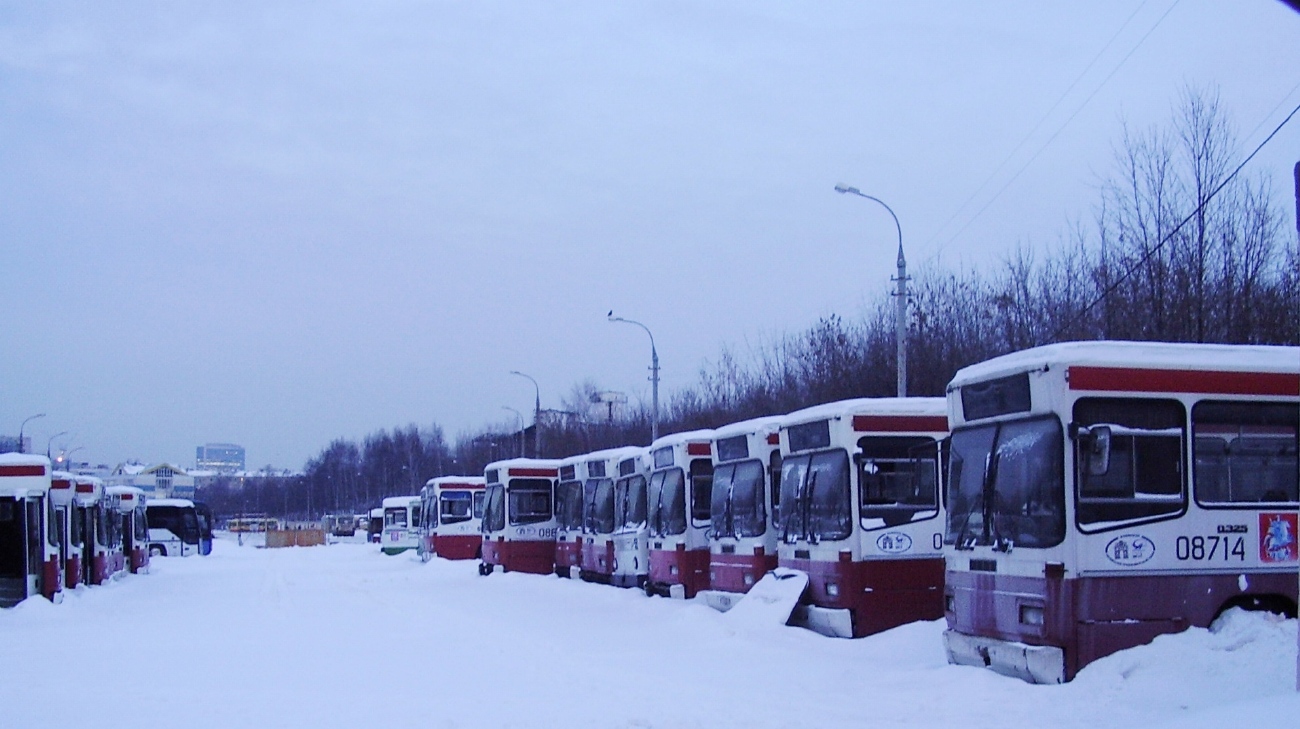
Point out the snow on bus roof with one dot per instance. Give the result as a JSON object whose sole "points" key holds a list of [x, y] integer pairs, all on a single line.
{"points": [[674, 439], [523, 463], [395, 501], [767, 424], [377, 511], [183, 503], [24, 459], [469, 482], [1151, 355], [869, 406], [123, 489]]}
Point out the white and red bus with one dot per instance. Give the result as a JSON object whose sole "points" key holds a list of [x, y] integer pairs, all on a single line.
{"points": [[29, 550], [401, 524], [90, 526], [1103, 493], [62, 499], [569, 513], [599, 474], [519, 516], [458, 519], [631, 527], [679, 496], [746, 487], [133, 526], [860, 512], [429, 507]]}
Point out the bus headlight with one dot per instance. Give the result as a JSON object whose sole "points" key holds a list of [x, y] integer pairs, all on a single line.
{"points": [[1031, 615], [832, 589]]}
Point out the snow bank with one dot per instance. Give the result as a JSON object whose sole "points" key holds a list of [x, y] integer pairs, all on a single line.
{"points": [[343, 636]]}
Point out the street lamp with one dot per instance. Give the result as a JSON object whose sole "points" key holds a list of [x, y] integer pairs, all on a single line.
{"points": [[24, 424], [537, 414], [900, 303], [521, 427], [654, 375], [50, 442]]}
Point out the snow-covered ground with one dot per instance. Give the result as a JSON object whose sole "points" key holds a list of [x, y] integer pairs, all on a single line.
{"points": [[343, 636]]}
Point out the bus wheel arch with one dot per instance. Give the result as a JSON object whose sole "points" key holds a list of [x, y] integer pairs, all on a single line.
{"points": [[1271, 603], [157, 550]]}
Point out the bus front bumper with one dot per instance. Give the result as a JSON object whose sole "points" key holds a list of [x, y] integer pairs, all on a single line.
{"points": [[830, 622], [1033, 663]]}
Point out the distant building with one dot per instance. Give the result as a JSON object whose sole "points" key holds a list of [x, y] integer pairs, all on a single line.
{"points": [[219, 457], [161, 481]]}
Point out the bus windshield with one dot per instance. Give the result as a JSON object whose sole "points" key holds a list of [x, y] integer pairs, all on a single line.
{"points": [[600, 509], [1006, 485], [494, 510], [530, 500], [568, 505], [12, 526], [454, 506], [818, 506], [667, 503], [738, 508], [630, 504], [395, 516], [179, 520]]}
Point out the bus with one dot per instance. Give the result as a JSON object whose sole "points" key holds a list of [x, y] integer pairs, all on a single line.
{"points": [[174, 529], [518, 516], [679, 496], [742, 508], [375, 527], [401, 524], [860, 512], [1103, 493], [29, 551], [458, 517], [255, 523], [631, 527], [339, 525], [424, 545], [101, 550], [62, 498], [133, 525], [598, 473], [569, 515]]}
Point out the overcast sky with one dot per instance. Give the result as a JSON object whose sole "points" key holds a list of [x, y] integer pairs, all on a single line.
{"points": [[277, 223]]}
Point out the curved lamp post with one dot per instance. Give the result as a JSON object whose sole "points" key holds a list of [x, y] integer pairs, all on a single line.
{"points": [[654, 375], [50, 442], [24, 425], [537, 413], [900, 294]]}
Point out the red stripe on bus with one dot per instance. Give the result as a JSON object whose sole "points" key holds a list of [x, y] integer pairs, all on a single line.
{"points": [[899, 423], [547, 472], [85, 488], [773, 439], [1132, 379], [60, 483], [699, 449], [22, 470]]}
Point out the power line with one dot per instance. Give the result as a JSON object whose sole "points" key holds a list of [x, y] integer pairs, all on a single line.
{"points": [[1156, 248], [1062, 127], [1029, 135]]}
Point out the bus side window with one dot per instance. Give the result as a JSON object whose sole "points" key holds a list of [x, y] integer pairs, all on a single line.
{"points": [[774, 472], [1143, 477], [701, 488], [1245, 453]]}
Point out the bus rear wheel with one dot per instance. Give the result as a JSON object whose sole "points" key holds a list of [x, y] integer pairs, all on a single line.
{"points": [[157, 550]]}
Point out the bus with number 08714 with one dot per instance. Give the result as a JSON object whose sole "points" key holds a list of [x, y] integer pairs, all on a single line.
{"points": [[1103, 493]]}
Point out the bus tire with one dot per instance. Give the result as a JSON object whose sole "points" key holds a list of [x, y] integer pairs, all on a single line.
{"points": [[157, 550]]}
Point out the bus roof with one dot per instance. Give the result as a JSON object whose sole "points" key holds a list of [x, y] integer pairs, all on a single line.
{"points": [[674, 439], [767, 424], [464, 482], [1146, 355], [869, 406], [183, 503], [393, 502]]}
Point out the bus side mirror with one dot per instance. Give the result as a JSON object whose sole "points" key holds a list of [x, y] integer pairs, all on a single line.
{"points": [[1096, 449]]}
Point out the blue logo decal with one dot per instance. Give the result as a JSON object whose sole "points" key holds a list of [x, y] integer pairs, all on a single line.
{"points": [[893, 542], [1130, 550]]}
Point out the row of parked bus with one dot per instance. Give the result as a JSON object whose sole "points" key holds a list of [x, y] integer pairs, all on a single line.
{"points": [[59, 531], [1060, 504]]}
